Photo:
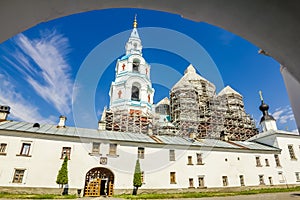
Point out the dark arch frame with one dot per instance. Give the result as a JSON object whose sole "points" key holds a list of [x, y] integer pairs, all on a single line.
{"points": [[135, 93], [106, 177], [236, 16]]}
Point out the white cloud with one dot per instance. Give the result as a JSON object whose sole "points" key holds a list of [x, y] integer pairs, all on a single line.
{"points": [[283, 115], [44, 66], [21, 109]]}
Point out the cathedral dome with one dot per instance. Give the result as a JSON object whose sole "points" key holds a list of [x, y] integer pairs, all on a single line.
{"points": [[191, 79], [228, 90]]}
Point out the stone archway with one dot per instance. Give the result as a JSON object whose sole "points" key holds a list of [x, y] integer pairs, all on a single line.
{"points": [[99, 181]]}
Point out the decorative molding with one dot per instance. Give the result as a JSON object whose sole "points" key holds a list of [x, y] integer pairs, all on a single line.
{"points": [[103, 160]]}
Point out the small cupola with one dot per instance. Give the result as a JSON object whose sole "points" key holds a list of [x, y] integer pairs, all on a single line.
{"points": [[4, 111], [62, 122], [267, 121]]}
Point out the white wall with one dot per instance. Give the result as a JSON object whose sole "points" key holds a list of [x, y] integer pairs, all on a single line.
{"points": [[43, 165], [289, 166]]}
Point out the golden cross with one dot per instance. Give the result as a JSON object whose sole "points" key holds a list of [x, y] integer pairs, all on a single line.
{"points": [[135, 22]]}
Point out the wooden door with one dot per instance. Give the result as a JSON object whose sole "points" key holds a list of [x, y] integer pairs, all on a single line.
{"points": [[92, 189]]}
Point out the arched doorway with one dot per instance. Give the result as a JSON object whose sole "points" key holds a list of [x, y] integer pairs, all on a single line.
{"points": [[99, 181]]}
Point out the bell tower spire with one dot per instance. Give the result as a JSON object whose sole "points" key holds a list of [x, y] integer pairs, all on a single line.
{"points": [[134, 43]]}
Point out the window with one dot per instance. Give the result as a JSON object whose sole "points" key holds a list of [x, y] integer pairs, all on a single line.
{"points": [[135, 93], [270, 180], [258, 164], [225, 180], [25, 149], [201, 181], [66, 151], [112, 149], [297, 176], [267, 162], [199, 159], [281, 177], [18, 175], [96, 148], [3, 149], [242, 181], [191, 182], [172, 177], [261, 180], [135, 65], [190, 160], [277, 161], [172, 155], [141, 151], [291, 151]]}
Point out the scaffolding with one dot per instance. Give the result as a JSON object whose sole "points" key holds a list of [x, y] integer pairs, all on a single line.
{"points": [[196, 108], [184, 113], [161, 119], [134, 121], [238, 124]]}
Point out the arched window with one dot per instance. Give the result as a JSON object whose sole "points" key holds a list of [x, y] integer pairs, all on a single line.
{"points": [[136, 65], [135, 93]]}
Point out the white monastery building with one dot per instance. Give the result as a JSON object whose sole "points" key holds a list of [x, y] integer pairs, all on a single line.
{"points": [[102, 161]]}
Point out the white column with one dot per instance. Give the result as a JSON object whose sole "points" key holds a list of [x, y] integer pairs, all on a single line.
{"points": [[293, 90]]}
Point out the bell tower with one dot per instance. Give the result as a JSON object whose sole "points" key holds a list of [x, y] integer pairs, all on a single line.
{"points": [[132, 89]]}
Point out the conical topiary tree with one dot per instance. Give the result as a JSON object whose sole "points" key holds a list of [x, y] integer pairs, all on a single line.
{"points": [[62, 176], [137, 177]]}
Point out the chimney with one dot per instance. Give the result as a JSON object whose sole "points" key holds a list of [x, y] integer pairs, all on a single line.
{"points": [[4, 111], [62, 122]]}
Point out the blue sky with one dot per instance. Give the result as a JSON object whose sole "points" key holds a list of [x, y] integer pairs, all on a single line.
{"points": [[40, 67]]}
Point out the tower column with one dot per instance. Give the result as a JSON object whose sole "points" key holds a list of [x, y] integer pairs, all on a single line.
{"points": [[130, 99]]}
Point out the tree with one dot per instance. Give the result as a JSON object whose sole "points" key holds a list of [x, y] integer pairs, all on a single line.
{"points": [[62, 176], [137, 177]]}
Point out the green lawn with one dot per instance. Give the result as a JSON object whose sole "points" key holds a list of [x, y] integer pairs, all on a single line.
{"points": [[156, 196], [206, 194], [35, 196]]}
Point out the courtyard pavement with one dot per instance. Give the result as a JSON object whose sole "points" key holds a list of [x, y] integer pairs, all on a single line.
{"points": [[266, 196]]}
